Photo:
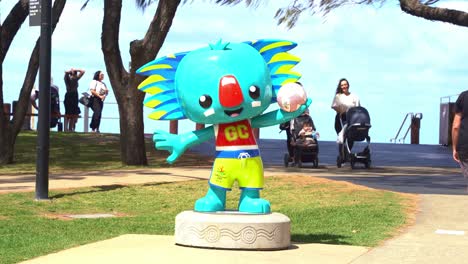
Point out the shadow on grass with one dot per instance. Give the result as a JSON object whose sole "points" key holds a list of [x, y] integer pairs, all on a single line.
{"points": [[103, 188], [97, 190], [152, 184], [320, 238]]}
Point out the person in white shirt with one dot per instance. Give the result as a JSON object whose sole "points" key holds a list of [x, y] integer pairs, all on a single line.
{"points": [[342, 101], [98, 91]]}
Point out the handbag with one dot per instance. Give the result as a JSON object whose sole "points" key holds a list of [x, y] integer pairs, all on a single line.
{"points": [[85, 99]]}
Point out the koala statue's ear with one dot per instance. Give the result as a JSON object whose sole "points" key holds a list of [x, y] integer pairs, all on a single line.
{"points": [[279, 61], [160, 85]]}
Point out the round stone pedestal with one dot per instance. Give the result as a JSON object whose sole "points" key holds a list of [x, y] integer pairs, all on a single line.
{"points": [[233, 230]]}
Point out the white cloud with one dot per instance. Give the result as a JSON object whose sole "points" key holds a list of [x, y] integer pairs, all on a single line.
{"points": [[457, 5]]}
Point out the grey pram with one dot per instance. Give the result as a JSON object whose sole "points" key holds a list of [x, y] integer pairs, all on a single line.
{"points": [[356, 129]]}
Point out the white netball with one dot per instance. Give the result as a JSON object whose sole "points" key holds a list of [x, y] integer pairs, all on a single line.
{"points": [[291, 96]]}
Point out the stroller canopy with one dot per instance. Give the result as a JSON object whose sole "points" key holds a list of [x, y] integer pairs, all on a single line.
{"points": [[358, 116]]}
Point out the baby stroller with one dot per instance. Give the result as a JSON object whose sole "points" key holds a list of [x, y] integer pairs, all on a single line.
{"points": [[305, 150], [356, 130]]}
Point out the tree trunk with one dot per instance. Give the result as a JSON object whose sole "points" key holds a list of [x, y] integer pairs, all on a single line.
{"points": [[6, 149], [132, 144], [132, 140], [124, 84]]}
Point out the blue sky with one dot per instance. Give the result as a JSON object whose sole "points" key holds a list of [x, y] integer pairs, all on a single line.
{"points": [[395, 63]]}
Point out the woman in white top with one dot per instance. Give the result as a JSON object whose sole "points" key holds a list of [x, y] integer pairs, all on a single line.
{"points": [[98, 91], [342, 102]]}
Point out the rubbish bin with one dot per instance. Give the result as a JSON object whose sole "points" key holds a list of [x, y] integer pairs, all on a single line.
{"points": [[27, 118], [447, 113]]}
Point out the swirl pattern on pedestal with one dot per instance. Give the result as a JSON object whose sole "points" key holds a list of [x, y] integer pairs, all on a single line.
{"points": [[247, 235]]}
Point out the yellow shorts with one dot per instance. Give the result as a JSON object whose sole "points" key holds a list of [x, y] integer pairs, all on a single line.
{"points": [[247, 171]]}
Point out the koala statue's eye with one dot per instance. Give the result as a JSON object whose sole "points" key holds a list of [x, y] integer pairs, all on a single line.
{"points": [[254, 92], [205, 101]]}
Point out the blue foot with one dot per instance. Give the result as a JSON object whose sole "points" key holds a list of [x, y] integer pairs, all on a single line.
{"points": [[250, 202], [214, 200]]}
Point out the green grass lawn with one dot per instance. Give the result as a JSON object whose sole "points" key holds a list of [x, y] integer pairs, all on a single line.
{"points": [[321, 211]]}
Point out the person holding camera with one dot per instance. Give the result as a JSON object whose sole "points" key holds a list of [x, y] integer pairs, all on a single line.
{"points": [[98, 91], [72, 110]]}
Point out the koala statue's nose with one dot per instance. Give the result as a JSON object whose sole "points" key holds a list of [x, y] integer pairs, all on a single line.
{"points": [[230, 93]]}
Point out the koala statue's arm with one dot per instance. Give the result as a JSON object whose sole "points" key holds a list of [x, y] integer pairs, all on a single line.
{"points": [[178, 144], [278, 116]]}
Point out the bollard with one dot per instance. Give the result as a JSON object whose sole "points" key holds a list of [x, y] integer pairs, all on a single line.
{"points": [[173, 126], [415, 127], [256, 132], [199, 126]]}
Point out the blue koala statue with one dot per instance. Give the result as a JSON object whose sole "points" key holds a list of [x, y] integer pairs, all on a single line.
{"points": [[229, 86]]}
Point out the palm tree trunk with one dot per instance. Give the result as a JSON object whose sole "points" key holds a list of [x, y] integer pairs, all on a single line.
{"points": [[124, 84], [132, 141]]}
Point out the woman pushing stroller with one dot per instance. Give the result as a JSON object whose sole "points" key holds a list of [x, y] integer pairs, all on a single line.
{"points": [[352, 124]]}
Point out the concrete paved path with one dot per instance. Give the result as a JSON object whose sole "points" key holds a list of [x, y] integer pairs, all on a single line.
{"points": [[440, 235], [144, 249]]}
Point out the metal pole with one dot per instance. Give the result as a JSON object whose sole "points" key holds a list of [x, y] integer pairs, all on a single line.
{"points": [[86, 119], [42, 161]]}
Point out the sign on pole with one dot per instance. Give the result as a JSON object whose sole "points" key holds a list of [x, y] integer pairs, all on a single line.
{"points": [[34, 13]]}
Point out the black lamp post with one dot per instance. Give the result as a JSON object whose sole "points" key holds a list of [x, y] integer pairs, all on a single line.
{"points": [[42, 161]]}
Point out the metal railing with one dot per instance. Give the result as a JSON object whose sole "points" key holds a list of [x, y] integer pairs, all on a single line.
{"points": [[84, 118], [448, 98], [402, 139], [87, 116]]}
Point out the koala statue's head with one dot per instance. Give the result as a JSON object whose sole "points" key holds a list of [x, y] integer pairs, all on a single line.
{"points": [[221, 83]]}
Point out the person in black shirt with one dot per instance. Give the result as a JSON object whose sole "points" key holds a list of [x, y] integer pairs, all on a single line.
{"points": [[286, 126], [54, 104], [72, 110], [460, 133]]}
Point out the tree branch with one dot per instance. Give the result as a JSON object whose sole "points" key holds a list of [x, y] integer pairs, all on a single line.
{"points": [[145, 50], [110, 43], [416, 8], [11, 25]]}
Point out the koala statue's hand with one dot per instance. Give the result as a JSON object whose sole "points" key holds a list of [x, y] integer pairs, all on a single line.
{"points": [[306, 104], [170, 142]]}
